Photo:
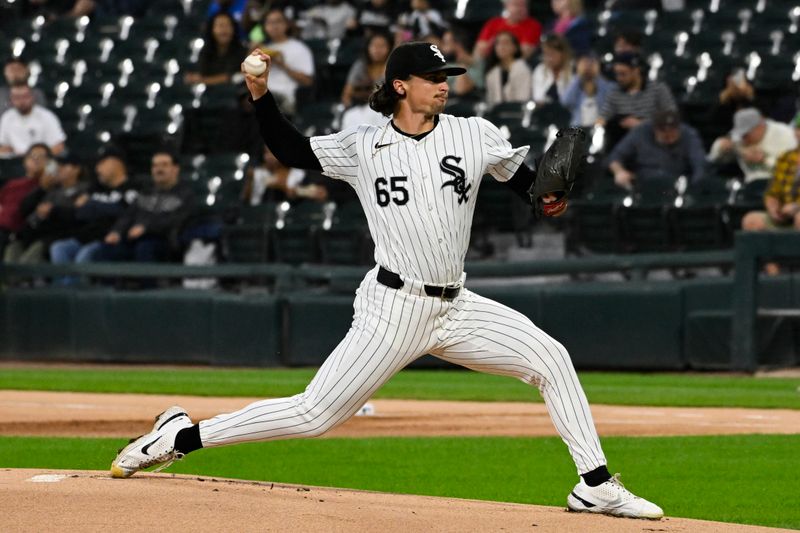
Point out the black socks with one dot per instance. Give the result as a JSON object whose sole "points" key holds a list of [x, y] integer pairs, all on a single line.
{"points": [[596, 477], [188, 440]]}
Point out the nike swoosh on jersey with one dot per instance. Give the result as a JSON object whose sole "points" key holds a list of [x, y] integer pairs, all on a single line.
{"points": [[147, 446], [379, 146]]}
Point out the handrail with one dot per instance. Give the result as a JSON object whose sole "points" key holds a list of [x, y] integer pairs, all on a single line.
{"points": [[638, 264]]}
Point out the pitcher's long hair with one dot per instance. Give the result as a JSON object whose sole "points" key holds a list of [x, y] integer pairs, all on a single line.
{"points": [[384, 99]]}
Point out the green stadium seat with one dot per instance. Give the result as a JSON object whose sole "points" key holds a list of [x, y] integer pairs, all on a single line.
{"points": [[11, 168], [644, 223], [697, 223], [592, 224], [347, 241]]}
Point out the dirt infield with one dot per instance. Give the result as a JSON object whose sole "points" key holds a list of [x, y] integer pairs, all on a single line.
{"points": [[119, 415], [66, 501], [38, 500]]}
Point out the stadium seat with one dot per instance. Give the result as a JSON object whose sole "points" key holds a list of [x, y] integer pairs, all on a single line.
{"points": [[293, 233], [697, 224], [316, 118], [10, 168], [478, 12], [592, 224], [506, 113], [347, 241], [460, 107], [644, 223], [746, 198]]}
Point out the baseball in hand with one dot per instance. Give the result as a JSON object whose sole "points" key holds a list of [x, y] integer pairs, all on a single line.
{"points": [[254, 65]]}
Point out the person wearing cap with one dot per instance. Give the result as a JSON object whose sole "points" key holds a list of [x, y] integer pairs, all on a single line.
{"points": [[417, 179], [782, 197], [49, 213], [634, 99], [755, 142], [96, 211], [660, 148]]}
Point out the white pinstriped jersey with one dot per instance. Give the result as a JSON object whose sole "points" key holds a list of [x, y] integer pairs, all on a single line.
{"points": [[419, 195]]}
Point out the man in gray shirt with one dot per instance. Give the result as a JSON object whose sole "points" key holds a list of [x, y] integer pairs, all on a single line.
{"points": [[15, 72], [634, 99], [661, 148]]}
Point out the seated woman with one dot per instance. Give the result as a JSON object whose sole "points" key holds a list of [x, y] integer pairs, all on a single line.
{"points": [[370, 68], [222, 52], [552, 76], [508, 76]]}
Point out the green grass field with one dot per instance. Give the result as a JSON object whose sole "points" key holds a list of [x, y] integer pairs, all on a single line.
{"points": [[606, 388], [744, 479]]}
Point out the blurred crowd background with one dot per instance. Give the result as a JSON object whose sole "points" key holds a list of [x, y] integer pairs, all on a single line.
{"points": [[126, 133]]}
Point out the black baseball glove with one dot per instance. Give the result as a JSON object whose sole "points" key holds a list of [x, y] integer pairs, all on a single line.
{"points": [[556, 171]]}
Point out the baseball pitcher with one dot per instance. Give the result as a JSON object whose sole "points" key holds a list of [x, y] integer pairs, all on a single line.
{"points": [[417, 179]]}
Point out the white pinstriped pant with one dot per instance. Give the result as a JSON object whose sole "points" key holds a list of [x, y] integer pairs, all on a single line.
{"points": [[390, 329]]}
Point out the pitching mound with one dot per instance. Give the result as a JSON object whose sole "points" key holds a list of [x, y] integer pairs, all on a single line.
{"points": [[67, 501]]}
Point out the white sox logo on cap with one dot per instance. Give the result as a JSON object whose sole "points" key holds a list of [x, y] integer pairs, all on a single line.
{"points": [[438, 53]]}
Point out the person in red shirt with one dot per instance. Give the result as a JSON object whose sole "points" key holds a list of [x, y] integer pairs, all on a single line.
{"points": [[14, 191], [515, 19]]}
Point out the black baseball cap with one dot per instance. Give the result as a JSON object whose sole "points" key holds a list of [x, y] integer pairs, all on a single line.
{"points": [[666, 119], [418, 58], [69, 158], [631, 59]]}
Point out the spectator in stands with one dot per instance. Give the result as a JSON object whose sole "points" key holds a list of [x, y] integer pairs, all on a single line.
{"points": [[515, 19], [628, 40], [49, 213], [16, 72], [252, 15], [222, 52], [756, 143], [422, 21], [327, 20], [737, 94], [508, 76], [147, 229], [292, 61], [570, 23], [456, 49], [272, 181], [662, 148], [14, 191], [109, 8], [96, 211], [28, 123], [633, 100], [370, 67], [372, 17], [360, 112], [553, 74], [782, 197], [586, 93]]}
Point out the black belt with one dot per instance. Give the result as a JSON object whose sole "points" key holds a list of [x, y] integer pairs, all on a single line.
{"points": [[393, 281]]}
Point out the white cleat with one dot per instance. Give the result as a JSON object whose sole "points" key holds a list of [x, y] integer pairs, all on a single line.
{"points": [[611, 498], [154, 448]]}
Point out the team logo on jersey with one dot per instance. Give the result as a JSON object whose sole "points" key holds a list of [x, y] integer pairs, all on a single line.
{"points": [[459, 181], [438, 53]]}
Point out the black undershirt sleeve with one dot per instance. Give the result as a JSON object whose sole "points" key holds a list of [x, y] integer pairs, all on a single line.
{"points": [[521, 181], [291, 147]]}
